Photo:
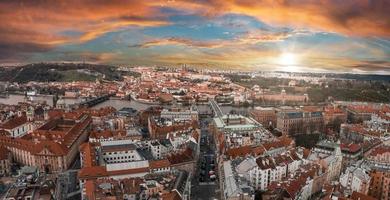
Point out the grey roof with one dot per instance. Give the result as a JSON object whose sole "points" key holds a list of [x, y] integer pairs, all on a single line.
{"points": [[180, 182], [119, 146], [246, 165], [166, 142], [231, 188], [146, 154]]}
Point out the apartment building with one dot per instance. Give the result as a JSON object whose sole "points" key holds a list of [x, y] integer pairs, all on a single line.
{"points": [[299, 121]]}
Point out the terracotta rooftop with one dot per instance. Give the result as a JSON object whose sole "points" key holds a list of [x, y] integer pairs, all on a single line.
{"points": [[132, 185], [173, 195], [72, 115], [306, 152], [14, 122], [333, 110], [106, 134], [181, 157], [269, 162], [90, 189], [293, 185], [359, 196], [155, 164], [3, 153], [88, 152], [244, 151], [380, 150], [239, 151], [92, 172], [4, 133], [53, 148], [283, 141], [352, 147], [362, 109], [128, 171]]}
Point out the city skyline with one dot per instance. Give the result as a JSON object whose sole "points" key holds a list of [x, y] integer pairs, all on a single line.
{"points": [[195, 99], [301, 35]]}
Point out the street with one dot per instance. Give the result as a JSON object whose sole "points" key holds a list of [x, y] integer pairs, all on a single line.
{"points": [[205, 182]]}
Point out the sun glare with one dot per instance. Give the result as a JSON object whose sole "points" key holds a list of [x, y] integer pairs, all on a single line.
{"points": [[287, 59]]}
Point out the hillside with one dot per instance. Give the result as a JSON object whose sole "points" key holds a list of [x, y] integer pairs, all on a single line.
{"points": [[46, 72]]}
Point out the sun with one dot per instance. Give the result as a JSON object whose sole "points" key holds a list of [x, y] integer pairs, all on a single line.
{"points": [[288, 62], [288, 59]]}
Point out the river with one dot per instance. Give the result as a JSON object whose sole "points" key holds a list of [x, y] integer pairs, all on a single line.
{"points": [[13, 99]]}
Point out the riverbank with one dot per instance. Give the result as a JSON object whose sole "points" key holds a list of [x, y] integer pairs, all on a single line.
{"points": [[144, 101], [118, 103]]}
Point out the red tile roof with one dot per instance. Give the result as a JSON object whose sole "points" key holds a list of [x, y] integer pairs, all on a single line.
{"points": [[106, 134], [92, 172], [155, 164], [128, 171], [333, 110], [244, 151], [239, 151], [359, 196], [173, 195], [53, 148], [353, 148], [3, 153], [14, 122], [4, 133], [380, 150], [88, 152], [181, 157], [295, 184], [282, 141], [362, 109], [90, 189], [132, 185]]}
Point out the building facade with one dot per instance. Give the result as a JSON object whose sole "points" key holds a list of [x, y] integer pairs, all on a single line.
{"points": [[291, 122]]}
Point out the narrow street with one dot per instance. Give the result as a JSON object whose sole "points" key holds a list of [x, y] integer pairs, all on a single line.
{"points": [[205, 182]]}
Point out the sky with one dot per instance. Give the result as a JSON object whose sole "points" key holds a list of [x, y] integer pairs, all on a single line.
{"points": [[287, 35]]}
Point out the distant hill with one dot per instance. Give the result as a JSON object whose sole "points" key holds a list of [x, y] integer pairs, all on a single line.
{"points": [[46, 72], [362, 77]]}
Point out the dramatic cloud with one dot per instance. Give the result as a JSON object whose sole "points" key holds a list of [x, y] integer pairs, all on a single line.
{"points": [[372, 66], [351, 17], [177, 41], [255, 34], [43, 22], [250, 38]]}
